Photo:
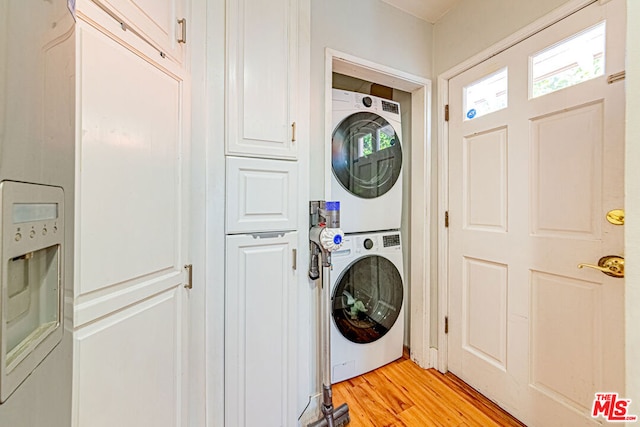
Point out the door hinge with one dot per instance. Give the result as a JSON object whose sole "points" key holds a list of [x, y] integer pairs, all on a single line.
{"points": [[446, 219], [446, 113], [183, 25], [295, 259], [293, 132], [189, 268], [616, 77], [446, 324]]}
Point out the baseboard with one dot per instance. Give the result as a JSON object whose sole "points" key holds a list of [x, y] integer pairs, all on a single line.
{"points": [[433, 357]]}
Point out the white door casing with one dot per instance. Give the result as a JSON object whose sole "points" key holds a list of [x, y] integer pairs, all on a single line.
{"points": [[529, 189]]}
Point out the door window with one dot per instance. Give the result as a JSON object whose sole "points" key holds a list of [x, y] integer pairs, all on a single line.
{"points": [[487, 95], [569, 62]]}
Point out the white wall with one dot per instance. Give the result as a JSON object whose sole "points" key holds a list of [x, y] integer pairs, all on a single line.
{"points": [[632, 179], [472, 26]]}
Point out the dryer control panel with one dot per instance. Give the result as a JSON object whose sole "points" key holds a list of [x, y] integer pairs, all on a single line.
{"points": [[378, 242]]}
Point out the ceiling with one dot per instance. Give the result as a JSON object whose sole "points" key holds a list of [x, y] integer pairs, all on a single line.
{"points": [[429, 10]]}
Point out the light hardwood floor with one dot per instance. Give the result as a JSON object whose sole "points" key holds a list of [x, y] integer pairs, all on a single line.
{"points": [[403, 394]]}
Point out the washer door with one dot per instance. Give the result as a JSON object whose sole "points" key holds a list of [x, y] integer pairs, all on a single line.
{"points": [[366, 155], [367, 299]]}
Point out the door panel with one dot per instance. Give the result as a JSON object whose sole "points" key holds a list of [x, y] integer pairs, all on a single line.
{"points": [[146, 355], [532, 183], [559, 185], [130, 328], [262, 195], [261, 46], [260, 306], [566, 350], [485, 181], [130, 188], [485, 311]]}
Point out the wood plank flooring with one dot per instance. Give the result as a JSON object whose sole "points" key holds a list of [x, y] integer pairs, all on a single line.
{"points": [[401, 394]]}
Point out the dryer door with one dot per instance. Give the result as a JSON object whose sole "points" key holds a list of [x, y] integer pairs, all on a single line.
{"points": [[367, 299], [366, 155]]}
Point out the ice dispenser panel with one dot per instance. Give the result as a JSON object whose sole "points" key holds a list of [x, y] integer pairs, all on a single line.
{"points": [[31, 298]]}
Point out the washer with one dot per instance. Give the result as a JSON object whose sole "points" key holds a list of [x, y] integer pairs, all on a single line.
{"points": [[367, 328], [366, 161]]}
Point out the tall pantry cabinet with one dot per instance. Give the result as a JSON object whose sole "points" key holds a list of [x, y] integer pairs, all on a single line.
{"points": [[263, 206], [132, 140]]}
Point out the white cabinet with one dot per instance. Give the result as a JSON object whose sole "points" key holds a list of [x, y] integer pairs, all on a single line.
{"points": [[261, 195], [130, 303], [155, 20], [261, 78], [260, 345]]}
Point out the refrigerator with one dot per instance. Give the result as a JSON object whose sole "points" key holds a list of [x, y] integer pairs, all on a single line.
{"points": [[37, 160]]}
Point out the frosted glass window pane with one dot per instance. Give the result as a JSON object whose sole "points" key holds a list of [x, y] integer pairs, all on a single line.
{"points": [[486, 95], [572, 61]]}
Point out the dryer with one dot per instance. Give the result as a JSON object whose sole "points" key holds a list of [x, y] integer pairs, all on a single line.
{"points": [[367, 328], [366, 161]]}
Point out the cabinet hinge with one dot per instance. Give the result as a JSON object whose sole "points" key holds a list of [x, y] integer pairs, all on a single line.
{"points": [[446, 219], [446, 324], [293, 132], [189, 268], [183, 35], [294, 265], [446, 113]]}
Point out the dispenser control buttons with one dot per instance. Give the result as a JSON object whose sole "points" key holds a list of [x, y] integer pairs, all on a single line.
{"points": [[55, 228], [18, 237], [44, 231], [32, 234], [368, 244]]}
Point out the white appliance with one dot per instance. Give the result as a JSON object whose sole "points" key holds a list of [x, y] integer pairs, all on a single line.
{"points": [[367, 328], [366, 161], [37, 174]]}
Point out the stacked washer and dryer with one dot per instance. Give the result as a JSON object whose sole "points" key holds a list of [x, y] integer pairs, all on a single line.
{"points": [[367, 330]]}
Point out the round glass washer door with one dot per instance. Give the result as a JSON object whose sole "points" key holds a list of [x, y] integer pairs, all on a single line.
{"points": [[367, 299], [366, 155]]}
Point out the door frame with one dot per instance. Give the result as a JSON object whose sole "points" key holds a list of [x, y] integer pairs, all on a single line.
{"points": [[420, 215], [540, 24]]}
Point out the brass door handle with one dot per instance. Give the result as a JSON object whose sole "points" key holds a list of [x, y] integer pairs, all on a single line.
{"points": [[611, 265]]}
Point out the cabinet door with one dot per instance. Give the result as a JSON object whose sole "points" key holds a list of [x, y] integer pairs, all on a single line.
{"points": [[262, 46], [130, 305], [260, 338], [262, 195], [156, 20]]}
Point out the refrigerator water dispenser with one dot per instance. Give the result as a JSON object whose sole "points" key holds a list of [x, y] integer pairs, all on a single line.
{"points": [[31, 297]]}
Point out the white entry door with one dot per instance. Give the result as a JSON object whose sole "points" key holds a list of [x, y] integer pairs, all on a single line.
{"points": [[535, 164]]}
